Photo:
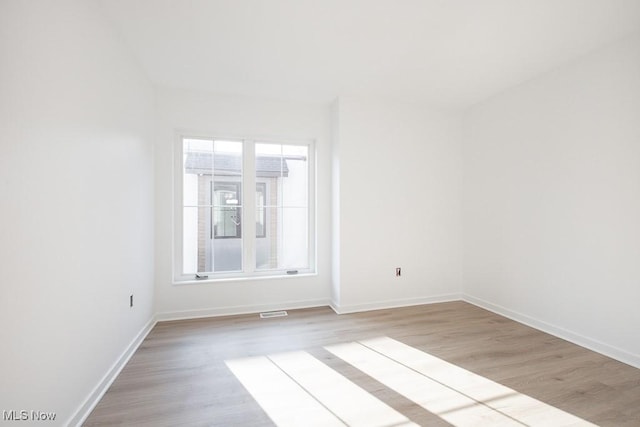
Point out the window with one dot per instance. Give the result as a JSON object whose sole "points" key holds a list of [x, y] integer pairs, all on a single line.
{"points": [[224, 231]]}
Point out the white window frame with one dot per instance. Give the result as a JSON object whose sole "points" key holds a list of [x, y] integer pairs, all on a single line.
{"points": [[248, 206]]}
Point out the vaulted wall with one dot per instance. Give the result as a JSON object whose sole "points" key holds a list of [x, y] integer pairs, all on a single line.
{"points": [[552, 201], [76, 217]]}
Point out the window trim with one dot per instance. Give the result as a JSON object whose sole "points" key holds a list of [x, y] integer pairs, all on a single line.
{"points": [[248, 237]]}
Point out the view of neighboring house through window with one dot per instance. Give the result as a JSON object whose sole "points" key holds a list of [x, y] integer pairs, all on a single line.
{"points": [[212, 217], [215, 209]]}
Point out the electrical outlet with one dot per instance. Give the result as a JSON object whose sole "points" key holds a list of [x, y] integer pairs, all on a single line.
{"points": [[131, 300], [398, 272]]}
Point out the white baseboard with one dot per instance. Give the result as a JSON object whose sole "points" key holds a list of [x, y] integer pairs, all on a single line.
{"points": [[334, 306], [101, 388], [240, 309], [592, 344], [381, 305], [103, 385]]}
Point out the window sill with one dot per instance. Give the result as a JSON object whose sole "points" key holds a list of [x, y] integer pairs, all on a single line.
{"points": [[241, 278]]}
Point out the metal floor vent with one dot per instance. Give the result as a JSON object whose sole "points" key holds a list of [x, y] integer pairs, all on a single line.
{"points": [[270, 314]]}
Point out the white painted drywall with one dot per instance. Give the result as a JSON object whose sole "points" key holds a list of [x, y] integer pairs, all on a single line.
{"points": [[242, 117], [398, 190], [552, 201], [335, 204], [76, 215]]}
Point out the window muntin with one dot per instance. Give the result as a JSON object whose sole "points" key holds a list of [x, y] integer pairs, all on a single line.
{"points": [[212, 223]]}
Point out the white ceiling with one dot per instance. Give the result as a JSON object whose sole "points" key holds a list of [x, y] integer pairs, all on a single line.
{"points": [[445, 53]]}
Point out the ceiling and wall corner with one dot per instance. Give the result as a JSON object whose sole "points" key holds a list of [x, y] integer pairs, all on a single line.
{"points": [[409, 75], [442, 54], [370, 59]]}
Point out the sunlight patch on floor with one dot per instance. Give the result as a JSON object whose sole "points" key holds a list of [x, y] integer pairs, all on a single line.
{"points": [[297, 389], [304, 379], [448, 404], [286, 403], [457, 395]]}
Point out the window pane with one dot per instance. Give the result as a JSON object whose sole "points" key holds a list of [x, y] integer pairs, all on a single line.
{"points": [[226, 199], [295, 186], [286, 241], [228, 158], [212, 213], [201, 252], [269, 162], [269, 248], [227, 244], [227, 223], [198, 165], [196, 244], [282, 206], [261, 213], [295, 238]]}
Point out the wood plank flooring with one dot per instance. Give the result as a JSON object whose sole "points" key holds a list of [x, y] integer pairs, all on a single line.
{"points": [[178, 376]]}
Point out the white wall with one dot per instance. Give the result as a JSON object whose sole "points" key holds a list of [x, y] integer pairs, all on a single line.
{"points": [[76, 219], [552, 201], [397, 202], [237, 116], [335, 204]]}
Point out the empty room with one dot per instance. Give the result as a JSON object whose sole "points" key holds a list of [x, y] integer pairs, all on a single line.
{"points": [[320, 212]]}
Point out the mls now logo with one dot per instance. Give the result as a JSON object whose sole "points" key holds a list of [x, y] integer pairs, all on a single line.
{"points": [[24, 415]]}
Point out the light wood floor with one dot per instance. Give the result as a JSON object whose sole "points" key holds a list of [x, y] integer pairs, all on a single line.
{"points": [[178, 375]]}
